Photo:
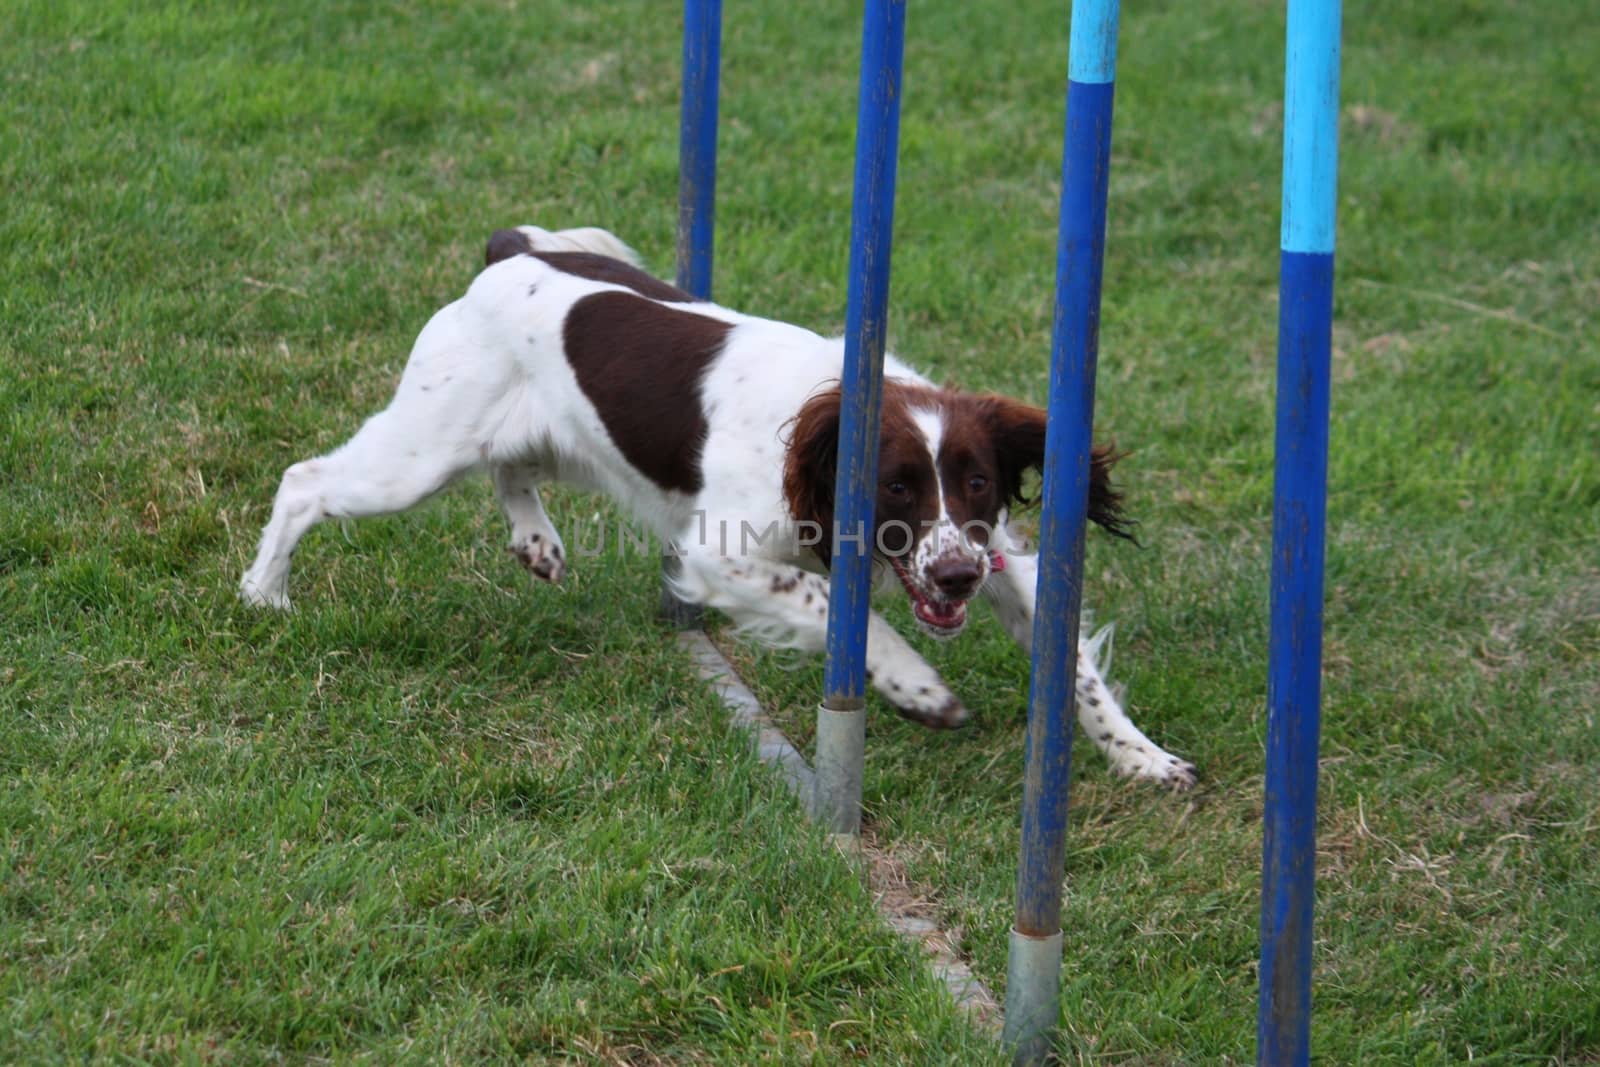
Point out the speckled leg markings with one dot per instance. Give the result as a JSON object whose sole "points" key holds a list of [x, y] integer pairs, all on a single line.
{"points": [[787, 607], [1100, 712], [907, 681], [1129, 751], [534, 540]]}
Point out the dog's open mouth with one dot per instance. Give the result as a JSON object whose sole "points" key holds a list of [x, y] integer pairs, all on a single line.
{"points": [[938, 615]]}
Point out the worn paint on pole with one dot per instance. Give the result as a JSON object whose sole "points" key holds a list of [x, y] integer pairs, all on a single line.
{"points": [[697, 190], [871, 228], [697, 145], [1294, 692], [1086, 167]]}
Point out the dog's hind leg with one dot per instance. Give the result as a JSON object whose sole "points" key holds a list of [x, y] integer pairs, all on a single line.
{"points": [[388, 466], [437, 427], [534, 539], [1129, 751]]}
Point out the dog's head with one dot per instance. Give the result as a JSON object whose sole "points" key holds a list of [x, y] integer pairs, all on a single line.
{"points": [[950, 466]]}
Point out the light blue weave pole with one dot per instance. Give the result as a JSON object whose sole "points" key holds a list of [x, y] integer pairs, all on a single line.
{"points": [[697, 190], [1033, 971], [1294, 692], [841, 719]]}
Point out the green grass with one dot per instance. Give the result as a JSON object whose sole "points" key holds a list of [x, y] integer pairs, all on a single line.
{"points": [[436, 815]]}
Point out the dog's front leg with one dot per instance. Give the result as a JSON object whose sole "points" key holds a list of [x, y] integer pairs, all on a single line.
{"points": [[786, 607], [1012, 590], [534, 540], [907, 681]]}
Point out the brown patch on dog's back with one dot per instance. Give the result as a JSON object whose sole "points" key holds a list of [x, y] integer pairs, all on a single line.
{"points": [[640, 363], [503, 244], [599, 268]]}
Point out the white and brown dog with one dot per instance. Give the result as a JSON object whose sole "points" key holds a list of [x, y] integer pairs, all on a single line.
{"points": [[566, 362]]}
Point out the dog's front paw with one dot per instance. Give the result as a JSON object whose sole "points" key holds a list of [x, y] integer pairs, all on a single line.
{"points": [[542, 556], [1154, 764], [930, 704], [950, 715]]}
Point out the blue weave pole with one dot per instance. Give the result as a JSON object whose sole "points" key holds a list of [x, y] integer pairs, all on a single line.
{"points": [[841, 719], [697, 144], [1033, 987], [697, 189], [1294, 690]]}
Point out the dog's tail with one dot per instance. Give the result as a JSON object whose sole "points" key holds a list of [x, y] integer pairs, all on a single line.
{"points": [[525, 239]]}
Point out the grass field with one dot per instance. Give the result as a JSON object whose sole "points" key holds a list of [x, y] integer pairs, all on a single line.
{"points": [[436, 815]]}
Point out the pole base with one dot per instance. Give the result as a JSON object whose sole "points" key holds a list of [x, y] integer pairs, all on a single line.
{"points": [[841, 746], [1033, 995], [677, 613]]}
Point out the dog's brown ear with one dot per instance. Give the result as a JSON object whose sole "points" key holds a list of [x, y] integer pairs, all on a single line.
{"points": [[810, 460], [1018, 432], [503, 244], [1105, 499]]}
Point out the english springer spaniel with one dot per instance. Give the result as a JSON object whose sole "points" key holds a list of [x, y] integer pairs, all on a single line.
{"points": [[717, 431]]}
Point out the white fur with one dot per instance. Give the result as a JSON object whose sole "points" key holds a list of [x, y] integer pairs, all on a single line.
{"points": [[488, 386]]}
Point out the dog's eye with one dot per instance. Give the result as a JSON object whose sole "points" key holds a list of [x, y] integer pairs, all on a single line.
{"points": [[898, 490], [977, 483]]}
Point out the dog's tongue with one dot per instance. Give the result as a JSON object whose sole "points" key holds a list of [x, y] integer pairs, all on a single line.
{"points": [[945, 616]]}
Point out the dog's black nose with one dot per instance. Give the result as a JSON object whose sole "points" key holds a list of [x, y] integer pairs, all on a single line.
{"points": [[955, 577]]}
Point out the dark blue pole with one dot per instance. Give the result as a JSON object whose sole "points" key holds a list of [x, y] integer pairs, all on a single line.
{"points": [[697, 189], [697, 144], [1294, 690], [871, 225], [1033, 987]]}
